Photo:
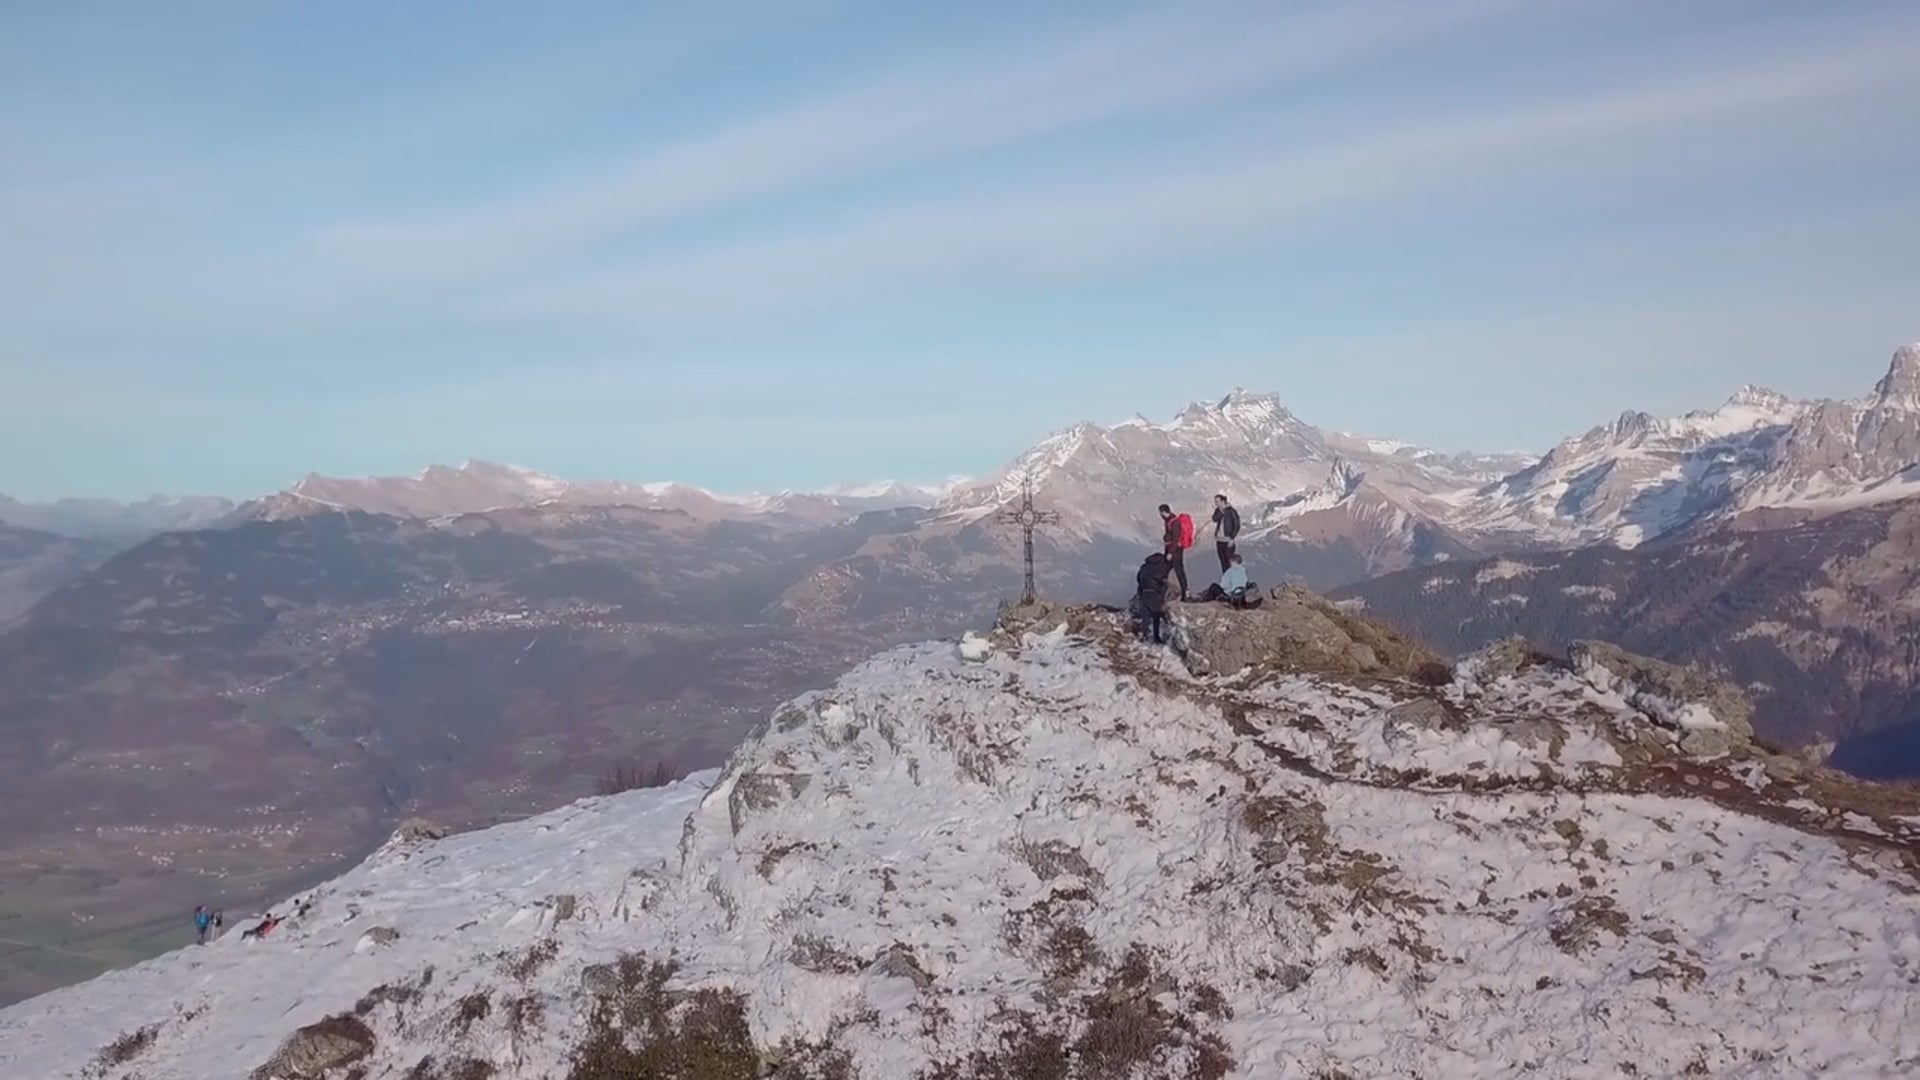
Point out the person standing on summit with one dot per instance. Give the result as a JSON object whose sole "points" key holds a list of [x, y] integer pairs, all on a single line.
{"points": [[1175, 541], [1226, 530]]}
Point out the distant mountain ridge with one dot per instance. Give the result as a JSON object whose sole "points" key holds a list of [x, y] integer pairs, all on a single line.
{"points": [[1105, 482], [1640, 477], [1623, 483], [478, 487], [105, 519]]}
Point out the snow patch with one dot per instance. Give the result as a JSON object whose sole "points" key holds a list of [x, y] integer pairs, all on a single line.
{"points": [[1504, 570]]}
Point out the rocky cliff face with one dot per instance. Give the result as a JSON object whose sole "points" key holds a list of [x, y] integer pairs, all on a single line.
{"points": [[1051, 851]]}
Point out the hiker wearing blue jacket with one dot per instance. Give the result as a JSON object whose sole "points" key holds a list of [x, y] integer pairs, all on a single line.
{"points": [[1234, 581], [202, 922], [1234, 588]]}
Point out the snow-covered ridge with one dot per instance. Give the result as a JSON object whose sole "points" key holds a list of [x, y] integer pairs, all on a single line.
{"points": [[1626, 482], [441, 491], [1107, 480], [1047, 840], [1642, 477]]}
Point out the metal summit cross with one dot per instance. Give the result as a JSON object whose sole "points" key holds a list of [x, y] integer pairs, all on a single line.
{"points": [[1027, 518]]}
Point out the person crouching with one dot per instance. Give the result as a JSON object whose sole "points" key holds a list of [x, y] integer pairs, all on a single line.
{"points": [[1150, 598]]}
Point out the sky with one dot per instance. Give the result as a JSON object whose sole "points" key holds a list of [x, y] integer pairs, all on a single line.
{"points": [[762, 244]]}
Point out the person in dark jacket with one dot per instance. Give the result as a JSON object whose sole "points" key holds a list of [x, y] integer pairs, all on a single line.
{"points": [[1150, 599], [1226, 531], [1170, 546]]}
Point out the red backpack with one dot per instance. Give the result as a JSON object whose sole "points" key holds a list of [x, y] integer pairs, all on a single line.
{"points": [[1186, 530]]}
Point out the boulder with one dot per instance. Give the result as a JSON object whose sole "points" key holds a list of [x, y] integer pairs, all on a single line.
{"points": [[760, 790], [1532, 732], [599, 980], [1502, 659], [1709, 716], [419, 829], [898, 962], [308, 1054], [1785, 766], [1408, 718]]}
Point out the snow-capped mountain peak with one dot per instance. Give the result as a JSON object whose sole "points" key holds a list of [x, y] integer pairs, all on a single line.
{"points": [[1900, 388], [1642, 477], [1342, 482], [1106, 481], [1246, 413], [1631, 426], [1759, 398], [898, 491]]}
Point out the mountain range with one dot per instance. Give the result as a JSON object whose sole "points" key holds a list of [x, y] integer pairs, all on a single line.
{"points": [[1380, 502], [251, 695]]}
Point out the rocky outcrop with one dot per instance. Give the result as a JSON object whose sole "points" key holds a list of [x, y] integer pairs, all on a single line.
{"points": [[418, 830], [754, 792], [1294, 629], [308, 1054], [1708, 716], [1502, 659]]}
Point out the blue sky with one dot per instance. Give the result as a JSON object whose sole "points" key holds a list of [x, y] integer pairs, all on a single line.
{"points": [[776, 243]]}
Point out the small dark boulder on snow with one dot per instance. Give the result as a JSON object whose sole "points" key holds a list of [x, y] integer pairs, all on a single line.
{"points": [[419, 829], [309, 1053]]}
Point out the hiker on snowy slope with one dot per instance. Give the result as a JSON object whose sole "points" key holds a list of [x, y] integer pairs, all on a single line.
{"points": [[266, 927], [1175, 540], [202, 920], [1226, 531], [1150, 598]]}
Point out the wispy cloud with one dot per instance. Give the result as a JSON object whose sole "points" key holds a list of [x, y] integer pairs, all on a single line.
{"points": [[848, 217], [927, 110], [1169, 211]]}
